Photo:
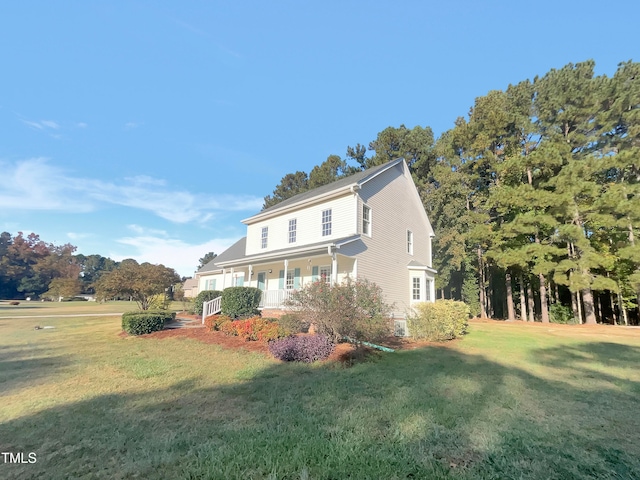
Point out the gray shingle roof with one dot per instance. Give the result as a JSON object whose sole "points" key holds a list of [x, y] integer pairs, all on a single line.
{"points": [[234, 252], [338, 184]]}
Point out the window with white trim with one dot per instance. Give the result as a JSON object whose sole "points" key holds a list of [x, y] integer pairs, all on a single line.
{"points": [[427, 292], [290, 279], [325, 274], [264, 237], [326, 222], [415, 289], [409, 242], [366, 220], [293, 225]]}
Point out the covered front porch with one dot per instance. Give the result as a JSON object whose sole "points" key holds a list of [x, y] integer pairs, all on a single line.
{"points": [[279, 278]]}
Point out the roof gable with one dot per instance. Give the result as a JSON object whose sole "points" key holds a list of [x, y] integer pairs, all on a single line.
{"points": [[324, 191]]}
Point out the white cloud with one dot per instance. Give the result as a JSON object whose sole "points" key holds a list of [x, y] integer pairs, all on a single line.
{"points": [[42, 124], [81, 125], [131, 125], [50, 124], [78, 236], [171, 252], [34, 184]]}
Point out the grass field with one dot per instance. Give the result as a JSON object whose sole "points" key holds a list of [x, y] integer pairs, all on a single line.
{"points": [[25, 309], [507, 401]]}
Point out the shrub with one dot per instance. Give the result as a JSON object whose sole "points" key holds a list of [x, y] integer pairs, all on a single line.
{"points": [[354, 309], [255, 328], [293, 323], [240, 302], [439, 321], [305, 348], [559, 313], [74, 299], [158, 302], [204, 296], [213, 322], [14, 303], [139, 323]]}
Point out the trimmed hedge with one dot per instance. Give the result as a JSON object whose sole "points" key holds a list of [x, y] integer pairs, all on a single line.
{"points": [[439, 321], [241, 302], [204, 296], [214, 322], [306, 348], [141, 322]]}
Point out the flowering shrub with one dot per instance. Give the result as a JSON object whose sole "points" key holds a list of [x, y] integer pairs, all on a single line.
{"points": [[354, 309], [254, 328], [306, 348], [213, 322]]}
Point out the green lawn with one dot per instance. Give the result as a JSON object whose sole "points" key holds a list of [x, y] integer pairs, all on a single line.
{"points": [[508, 401], [25, 308]]}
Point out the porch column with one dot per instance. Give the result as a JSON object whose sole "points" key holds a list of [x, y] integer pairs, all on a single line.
{"points": [[233, 283], [224, 279], [334, 268], [250, 275]]}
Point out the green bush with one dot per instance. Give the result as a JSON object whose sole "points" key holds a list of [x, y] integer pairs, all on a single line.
{"points": [[559, 313], [158, 302], [293, 323], [204, 296], [141, 322], [74, 299], [241, 302], [439, 321]]}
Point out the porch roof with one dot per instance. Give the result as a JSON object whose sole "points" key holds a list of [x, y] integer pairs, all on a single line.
{"points": [[237, 257]]}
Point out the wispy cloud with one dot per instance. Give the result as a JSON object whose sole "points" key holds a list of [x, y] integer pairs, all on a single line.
{"points": [[78, 236], [173, 252], [35, 184], [132, 125], [81, 125], [42, 124]]}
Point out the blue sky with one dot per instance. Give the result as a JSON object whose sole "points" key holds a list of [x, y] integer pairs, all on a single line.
{"points": [[148, 130]]}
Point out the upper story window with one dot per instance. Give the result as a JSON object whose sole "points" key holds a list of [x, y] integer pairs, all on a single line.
{"points": [[366, 220], [264, 237], [409, 242], [326, 222], [293, 225]]}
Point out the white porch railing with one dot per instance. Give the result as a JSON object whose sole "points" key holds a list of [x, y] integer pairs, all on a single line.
{"points": [[274, 298], [211, 307]]}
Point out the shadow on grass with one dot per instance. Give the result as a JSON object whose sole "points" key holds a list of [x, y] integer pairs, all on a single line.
{"points": [[428, 413], [17, 371]]}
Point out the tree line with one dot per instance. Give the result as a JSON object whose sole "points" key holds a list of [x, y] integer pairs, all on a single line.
{"points": [[30, 267], [533, 195]]}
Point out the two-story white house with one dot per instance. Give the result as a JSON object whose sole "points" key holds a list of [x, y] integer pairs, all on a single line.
{"points": [[371, 224]]}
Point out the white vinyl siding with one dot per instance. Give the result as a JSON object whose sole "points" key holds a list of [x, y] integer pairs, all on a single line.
{"points": [[383, 258], [264, 237], [308, 226], [326, 222], [366, 220], [409, 242]]}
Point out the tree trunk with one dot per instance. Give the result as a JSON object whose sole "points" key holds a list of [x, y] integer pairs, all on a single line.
{"points": [[574, 306], [511, 314], [531, 302], [598, 301], [483, 308], [544, 308], [555, 291], [589, 311], [579, 302], [523, 300], [613, 308], [488, 295], [623, 309]]}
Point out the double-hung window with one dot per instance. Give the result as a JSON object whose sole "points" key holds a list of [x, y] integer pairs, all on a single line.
{"points": [[293, 225], [409, 242], [415, 289], [264, 237], [366, 220], [326, 222], [325, 274], [290, 279]]}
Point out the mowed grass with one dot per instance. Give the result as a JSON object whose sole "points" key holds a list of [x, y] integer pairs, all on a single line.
{"points": [[507, 401], [28, 309]]}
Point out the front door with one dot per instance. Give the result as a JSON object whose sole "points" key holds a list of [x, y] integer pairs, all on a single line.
{"points": [[262, 281]]}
